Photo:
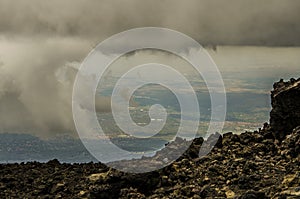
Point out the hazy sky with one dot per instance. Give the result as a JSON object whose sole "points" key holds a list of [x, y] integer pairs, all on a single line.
{"points": [[255, 22], [42, 42]]}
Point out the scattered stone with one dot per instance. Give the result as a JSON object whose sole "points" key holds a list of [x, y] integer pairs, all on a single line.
{"points": [[230, 194]]}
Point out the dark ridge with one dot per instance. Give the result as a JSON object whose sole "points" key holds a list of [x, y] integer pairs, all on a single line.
{"points": [[285, 114]]}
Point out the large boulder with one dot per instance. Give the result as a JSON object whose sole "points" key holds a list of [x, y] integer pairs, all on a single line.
{"points": [[285, 114]]}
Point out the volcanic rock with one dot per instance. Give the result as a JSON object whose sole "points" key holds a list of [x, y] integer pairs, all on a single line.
{"points": [[285, 114]]}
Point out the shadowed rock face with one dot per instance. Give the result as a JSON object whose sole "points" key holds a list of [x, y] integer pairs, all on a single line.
{"points": [[285, 114]]}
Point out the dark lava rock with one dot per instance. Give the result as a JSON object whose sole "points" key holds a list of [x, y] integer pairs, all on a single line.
{"points": [[285, 114], [253, 195], [260, 164]]}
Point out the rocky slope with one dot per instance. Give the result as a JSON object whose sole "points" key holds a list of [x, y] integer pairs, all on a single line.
{"points": [[260, 164]]}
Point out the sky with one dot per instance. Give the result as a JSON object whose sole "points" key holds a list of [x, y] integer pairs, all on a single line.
{"points": [[43, 42], [233, 22]]}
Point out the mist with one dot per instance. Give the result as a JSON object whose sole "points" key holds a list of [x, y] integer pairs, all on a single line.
{"points": [[43, 43], [234, 22]]}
